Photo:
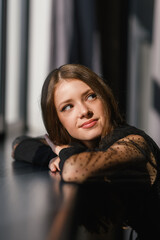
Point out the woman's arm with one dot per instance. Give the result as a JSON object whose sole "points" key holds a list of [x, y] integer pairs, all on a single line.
{"points": [[32, 150], [127, 159], [57, 163]]}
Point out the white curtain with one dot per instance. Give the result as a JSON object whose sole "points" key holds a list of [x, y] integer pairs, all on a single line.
{"points": [[154, 113]]}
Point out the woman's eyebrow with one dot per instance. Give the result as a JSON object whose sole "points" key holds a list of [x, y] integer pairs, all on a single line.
{"points": [[69, 100], [64, 102], [87, 91]]}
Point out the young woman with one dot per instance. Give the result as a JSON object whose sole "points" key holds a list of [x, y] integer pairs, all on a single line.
{"points": [[87, 138]]}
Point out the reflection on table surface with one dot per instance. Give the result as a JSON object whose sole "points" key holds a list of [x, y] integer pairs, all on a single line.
{"points": [[37, 205], [119, 211], [33, 204]]}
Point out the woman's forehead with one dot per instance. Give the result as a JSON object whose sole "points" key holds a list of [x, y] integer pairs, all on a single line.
{"points": [[66, 88], [69, 84]]}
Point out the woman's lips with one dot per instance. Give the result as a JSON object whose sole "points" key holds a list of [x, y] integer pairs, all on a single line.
{"points": [[89, 124]]}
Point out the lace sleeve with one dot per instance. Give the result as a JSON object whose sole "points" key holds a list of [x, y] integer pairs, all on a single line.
{"points": [[128, 159]]}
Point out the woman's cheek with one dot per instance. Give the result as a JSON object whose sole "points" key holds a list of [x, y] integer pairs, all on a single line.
{"points": [[67, 121]]}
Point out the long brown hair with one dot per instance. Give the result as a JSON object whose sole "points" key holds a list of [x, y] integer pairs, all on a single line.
{"points": [[55, 129]]}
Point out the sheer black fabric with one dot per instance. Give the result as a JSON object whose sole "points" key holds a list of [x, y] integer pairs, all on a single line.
{"points": [[32, 150], [127, 154], [121, 175]]}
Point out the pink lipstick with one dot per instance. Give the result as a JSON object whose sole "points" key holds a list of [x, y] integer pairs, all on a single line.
{"points": [[89, 123]]}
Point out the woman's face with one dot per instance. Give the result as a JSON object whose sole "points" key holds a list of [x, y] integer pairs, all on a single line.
{"points": [[79, 110]]}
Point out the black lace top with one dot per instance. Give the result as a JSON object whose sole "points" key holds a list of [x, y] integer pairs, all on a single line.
{"points": [[126, 154], [124, 170]]}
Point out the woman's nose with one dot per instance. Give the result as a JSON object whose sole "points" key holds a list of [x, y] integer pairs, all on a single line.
{"points": [[84, 111]]}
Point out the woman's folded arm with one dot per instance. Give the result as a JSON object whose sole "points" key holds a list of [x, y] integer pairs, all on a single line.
{"points": [[34, 151], [127, 159]]}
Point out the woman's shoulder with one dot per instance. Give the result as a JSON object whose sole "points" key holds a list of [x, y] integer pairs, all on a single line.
{"points": [[116, 134], [123, 131]]}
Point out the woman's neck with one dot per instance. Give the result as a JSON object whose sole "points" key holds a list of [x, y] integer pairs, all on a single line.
{"points": [[92, 143]]}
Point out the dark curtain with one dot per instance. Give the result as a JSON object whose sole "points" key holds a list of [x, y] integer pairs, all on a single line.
{"points": [[108, 19]]}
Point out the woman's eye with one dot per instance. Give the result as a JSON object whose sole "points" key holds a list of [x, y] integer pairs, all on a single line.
{"points": [[92, 96], [66, 108]]}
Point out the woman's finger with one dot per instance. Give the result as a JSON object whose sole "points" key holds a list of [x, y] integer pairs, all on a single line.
{"points": [[53, 168], [13, 150], [51, 165], [54, 164], [57, 164]]}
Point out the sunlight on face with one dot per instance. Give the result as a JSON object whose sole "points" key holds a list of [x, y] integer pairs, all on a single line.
{"points": [[79, 110]]}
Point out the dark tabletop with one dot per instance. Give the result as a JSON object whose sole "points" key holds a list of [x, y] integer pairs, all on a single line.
{"points": [[36, 205], [33, 204]]}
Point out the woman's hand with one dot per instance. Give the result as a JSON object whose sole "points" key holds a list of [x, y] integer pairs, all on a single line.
{"points": [[55, 148], [13, 150], [54, 164]]}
